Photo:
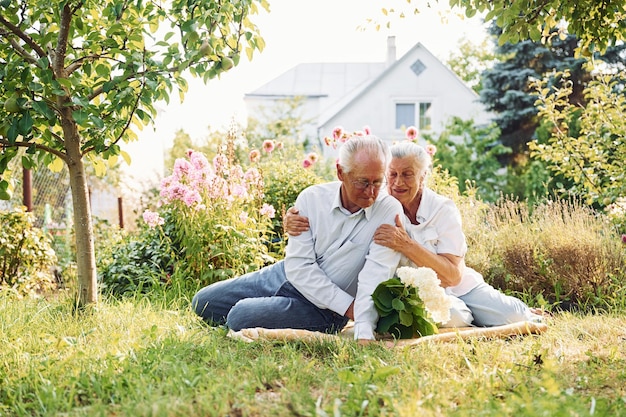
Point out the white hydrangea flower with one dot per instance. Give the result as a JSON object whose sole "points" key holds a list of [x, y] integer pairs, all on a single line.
{"points": [[429, 289]]}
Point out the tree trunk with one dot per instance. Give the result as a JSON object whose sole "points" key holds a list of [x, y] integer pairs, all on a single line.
{"points": [[83, 227]]}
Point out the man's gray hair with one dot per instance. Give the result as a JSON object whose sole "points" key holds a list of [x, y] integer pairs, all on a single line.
{"points": [[410, 149], [370, 143]]}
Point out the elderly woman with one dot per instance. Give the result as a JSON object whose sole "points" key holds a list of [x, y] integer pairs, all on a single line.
{"points": [[433, 237]]}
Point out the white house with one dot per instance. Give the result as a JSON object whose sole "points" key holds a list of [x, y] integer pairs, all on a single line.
{"points": [[415, 90]]}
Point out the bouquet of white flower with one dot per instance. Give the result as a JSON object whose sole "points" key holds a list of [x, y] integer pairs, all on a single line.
{"points": [[411, 304]]}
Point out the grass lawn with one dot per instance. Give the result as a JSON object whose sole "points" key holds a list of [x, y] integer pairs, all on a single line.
{"points": [[139, 358]]}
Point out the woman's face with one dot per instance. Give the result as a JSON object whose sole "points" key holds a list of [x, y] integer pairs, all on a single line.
{"points": [[404, 179]]}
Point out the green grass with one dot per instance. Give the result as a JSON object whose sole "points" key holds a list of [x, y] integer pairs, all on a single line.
{"points": [[143, 358]]}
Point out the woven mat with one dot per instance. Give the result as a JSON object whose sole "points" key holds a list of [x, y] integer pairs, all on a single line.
{"points": [[444, 335]]}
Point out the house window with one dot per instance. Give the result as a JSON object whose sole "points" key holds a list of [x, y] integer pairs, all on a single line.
{"points": [[425, 116], [405, 115], [418, 67]]}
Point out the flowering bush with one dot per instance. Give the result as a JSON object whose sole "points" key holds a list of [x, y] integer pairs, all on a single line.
{"points": [[221, 223], [285, 174], [411, 304]]}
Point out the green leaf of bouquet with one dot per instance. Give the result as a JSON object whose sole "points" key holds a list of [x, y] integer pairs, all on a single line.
{"points": [[406, 318], [397, 304], [424, 327], [385, 323], [392, 283], [402, 332], [382, 298]]}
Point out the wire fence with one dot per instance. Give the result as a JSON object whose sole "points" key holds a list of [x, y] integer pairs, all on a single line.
{"points": [[51, 198]]}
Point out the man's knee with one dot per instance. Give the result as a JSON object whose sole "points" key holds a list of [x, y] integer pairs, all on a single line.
{"points": [[243, 315]]}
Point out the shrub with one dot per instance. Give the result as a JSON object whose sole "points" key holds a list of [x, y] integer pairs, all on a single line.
{"points": [[135, 263], [26, 254], [561, 251]]}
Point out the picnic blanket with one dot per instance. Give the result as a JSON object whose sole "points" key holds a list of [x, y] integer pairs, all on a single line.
{"points": [[444, 335]]}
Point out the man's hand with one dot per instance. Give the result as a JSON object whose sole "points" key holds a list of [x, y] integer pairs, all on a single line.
{"points": [[293, 223]]}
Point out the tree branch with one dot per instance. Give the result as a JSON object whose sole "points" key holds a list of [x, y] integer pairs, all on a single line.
{"points": [[44, 148], [23, 36]]}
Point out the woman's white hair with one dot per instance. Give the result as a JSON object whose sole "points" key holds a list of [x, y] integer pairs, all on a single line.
{"points": [[410, 149]]}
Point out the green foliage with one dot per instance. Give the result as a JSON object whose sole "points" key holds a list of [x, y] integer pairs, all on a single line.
{"points": [[136, 263], [77, 77], [26, 254], [597, 24], [470, 154], [587, 145], [130, 56], [181, 144], [470, 60], [401, 311], [282, 122], [506, 86]]}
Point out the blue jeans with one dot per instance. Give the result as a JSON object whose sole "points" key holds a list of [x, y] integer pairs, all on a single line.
{"points": [[491, 307], [264, 298]]}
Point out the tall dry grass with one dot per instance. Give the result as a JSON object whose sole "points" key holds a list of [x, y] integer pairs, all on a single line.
{"points": [[561, 251]]}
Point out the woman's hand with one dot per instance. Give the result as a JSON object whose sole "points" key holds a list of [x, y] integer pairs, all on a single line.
{"points": [[293, 223], [393, 237]]}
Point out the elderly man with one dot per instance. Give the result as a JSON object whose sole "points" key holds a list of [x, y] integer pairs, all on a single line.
{"points": [[330, 271]]}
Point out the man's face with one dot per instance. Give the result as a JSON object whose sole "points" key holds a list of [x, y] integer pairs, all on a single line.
{"points": [[361, 186]]}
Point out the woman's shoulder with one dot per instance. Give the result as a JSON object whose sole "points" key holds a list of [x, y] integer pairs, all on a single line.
{"points": [[436, 201]]}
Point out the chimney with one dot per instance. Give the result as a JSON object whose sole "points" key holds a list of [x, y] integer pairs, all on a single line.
{"points": [[391, 50]]}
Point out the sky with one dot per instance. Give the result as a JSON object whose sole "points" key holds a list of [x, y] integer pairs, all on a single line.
{"points": [[301, 31]]}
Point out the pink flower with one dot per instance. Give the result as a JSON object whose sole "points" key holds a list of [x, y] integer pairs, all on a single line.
{"points": [[430, 149], [337, 132], [279, 145], [220, 162], [307, 163], [328, 141], [268, 145], [182, 168], [191, 197], [152, 218], [367, 130], [411, 132], [268, 210], [243, 217], [312, 157], [239, 190], [254, 155], [623, 238], [253, 177], [199, 161]]}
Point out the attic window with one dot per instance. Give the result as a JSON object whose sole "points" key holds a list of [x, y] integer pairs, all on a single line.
{"points": [[418, 67]]}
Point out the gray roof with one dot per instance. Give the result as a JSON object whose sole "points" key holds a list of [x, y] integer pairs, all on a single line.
{"points": [[329, 81]]}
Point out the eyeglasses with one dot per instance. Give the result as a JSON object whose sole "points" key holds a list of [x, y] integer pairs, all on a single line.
{"points": [[362, 184]]}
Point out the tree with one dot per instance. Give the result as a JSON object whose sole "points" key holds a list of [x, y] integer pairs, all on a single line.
{"points": [[77, 74], [597, 23], [470, 60], [182, 143], [587, 144], [506, 86]]}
